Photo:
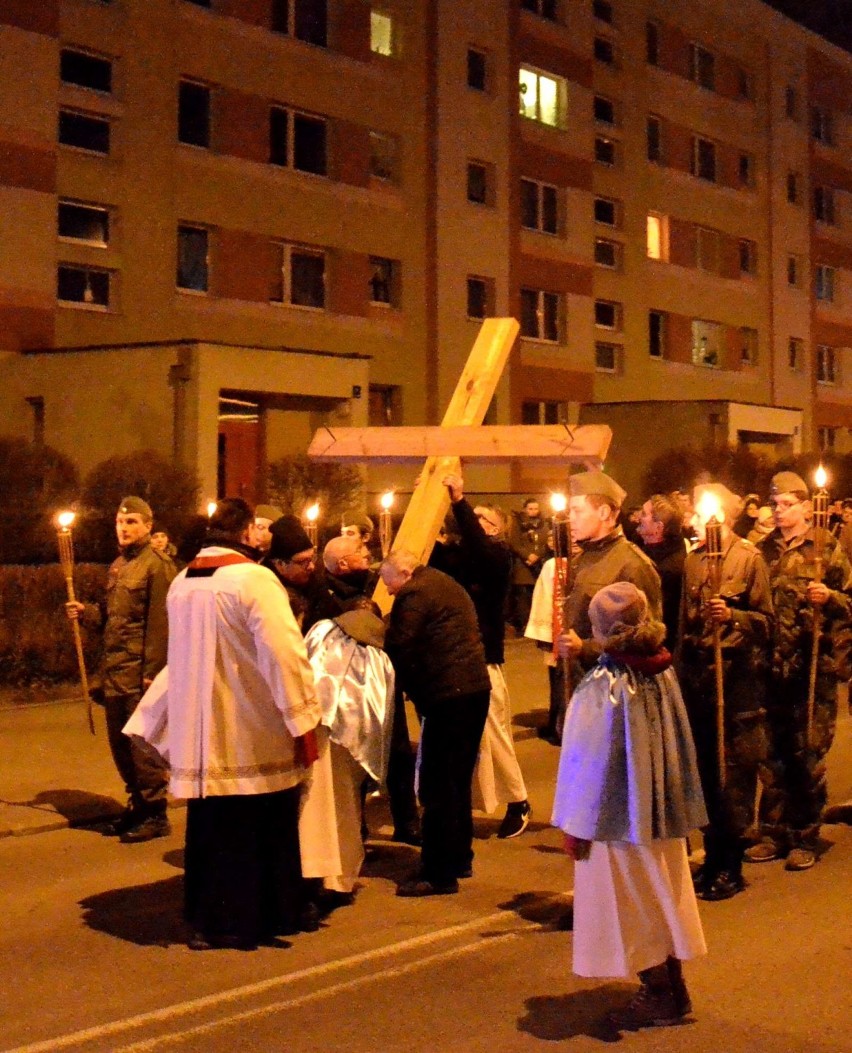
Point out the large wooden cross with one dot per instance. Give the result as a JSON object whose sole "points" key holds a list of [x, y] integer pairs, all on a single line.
{"points": [[461, 435]]}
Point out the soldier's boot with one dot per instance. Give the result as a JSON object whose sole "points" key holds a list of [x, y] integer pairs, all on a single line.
{"points": [[683, 1003], [654, 1004]]}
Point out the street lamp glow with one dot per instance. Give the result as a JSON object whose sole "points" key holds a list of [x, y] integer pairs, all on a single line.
{"points": [[558, 502], [66, 519]]}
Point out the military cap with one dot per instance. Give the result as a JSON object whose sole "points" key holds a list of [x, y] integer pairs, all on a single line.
{"points": [[596, 484], [788, 483], [288, 538], [729, 502], [270, 512], [136, 506]]}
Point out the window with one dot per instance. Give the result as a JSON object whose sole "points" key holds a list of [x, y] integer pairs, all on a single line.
{"points": [[604, 110], [602, 10], [652, 43], [606, 150], [480, 297], [795, 353], [384, 281], [656, 334], [657, 236], [607, 357], [303, 19], [384, 407], [654, 134], [824, 282], [827, 371], [745, 88], [83, 285], [84, 131], [85, 71], [604, 51], [382, 34], [824, 204], [745, 170], [794, 271], [821, 126], [826, 437], [544, 412], [86, 223], [299, 277], [384, 157], [540, 315], [298, 140], [542, 8], [748, 346], [36, 404], [542, 97], [748, 257], [539, 206], [608, 253], [193, 114], [477, 70], [707, 343], [480, 183], [608, 314], [794, 194], [192, 262], [607, 212], [791, 103], [708, 250], [702, 66], [703, 159]]}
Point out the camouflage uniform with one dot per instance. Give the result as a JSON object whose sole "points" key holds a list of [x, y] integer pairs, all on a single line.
{"points": [[795, 779], [745, 647]]}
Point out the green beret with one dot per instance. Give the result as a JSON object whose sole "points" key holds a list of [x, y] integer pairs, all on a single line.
{"points": [[788, 483], [270, 512], [729, 502], [596, 484], [136, 506]]}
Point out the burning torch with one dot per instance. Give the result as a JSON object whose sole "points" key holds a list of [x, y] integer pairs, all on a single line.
{"points": [[710, 510], [311, 517], [386, 523], [820, 502], [65, 543], [561, 580]]}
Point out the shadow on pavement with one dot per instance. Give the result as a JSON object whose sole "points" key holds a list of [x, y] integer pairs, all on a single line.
{"points": [[551, 910], [556, 1018], [79, 807], [174, 858], [150, 915]]}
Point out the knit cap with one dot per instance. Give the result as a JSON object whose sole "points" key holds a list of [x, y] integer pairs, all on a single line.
{"points": [[288, 538], [618, 605]]}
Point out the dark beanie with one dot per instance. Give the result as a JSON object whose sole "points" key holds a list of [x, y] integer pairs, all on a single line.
{"points": [[288, 538]]}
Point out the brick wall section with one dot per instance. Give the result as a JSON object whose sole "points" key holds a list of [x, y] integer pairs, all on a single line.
{"points": [[241, 125], [26, 328], [532, 383], [831, 414], [829, 85], [554, 276], [730, 257], [241, 265], [351, 29], [831, 253], [27, 167], [254, 12], [35, 16], [348, 282], [550, 58], [550, 166], [678, 346], [348, 152], [833, 334], [828, 173], [673, 50], [682, 242]]}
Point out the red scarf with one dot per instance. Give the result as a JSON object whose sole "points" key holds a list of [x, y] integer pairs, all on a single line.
{"points": [[649, 664]]}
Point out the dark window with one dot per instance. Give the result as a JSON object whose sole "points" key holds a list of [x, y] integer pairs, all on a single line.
{"points": [[307, 278], [746, 170], [824, 204], [604, 51], [606, 357], [702, 66], [607, 314], [543, 8], [83, 223], [605, 153], [744, 86], [278, 129], [82, 285], [821, 126], [602, 10], [309, 150], [86, 71], [791, 103], [543, 412], [795, 352], [793, 188], [201, 3], [605, 211], [655, 139], [704, 159], [604, 110], [477, 183], [652, 43], [476, 70], [192, 268], [193, 114], [540, 315], [304, 19], [479, 296], [606, 252], [84, 131], [383, 156], [539, 207], [656, 334], [748, 256], [384, 281], [793, 278]]}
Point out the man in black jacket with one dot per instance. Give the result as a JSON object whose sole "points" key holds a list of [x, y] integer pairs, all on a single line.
{"points": [[434, 643]]}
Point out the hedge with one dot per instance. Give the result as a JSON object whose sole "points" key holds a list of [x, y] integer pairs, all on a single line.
{"points": [[36, 642]]}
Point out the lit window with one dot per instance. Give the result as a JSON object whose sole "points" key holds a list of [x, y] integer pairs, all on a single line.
{"points": [[657, 236], [85, 286], [85, 223], [540, 315], [85, 131], [192, 262], [85, 71], [656, 334], [539, 206], [480, 297], [707, 343], [193, 114], [542, 97], [607, 357], [299, 277], [381, 33], [384, 281], [297, 140], [703, 160], [384, 157], [702, 66], [824, 283]]}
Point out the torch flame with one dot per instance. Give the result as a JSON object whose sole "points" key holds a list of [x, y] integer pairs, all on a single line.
{"points": [[211, 508], [312, 513], [65, 519], [558, 502], [821, 477], [709, 507], [386, 500]]}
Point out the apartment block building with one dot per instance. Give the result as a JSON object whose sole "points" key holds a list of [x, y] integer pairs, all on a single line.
{"points": [[230, 222]]}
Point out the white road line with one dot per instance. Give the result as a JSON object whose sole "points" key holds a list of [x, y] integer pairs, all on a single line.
{"points": [[171, 1012]]}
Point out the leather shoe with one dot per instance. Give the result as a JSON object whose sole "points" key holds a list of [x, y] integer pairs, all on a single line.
{"points": [[723, 886], [408, 835], [763, 852], [421, 887], [800, 859], [147, 829], [702, 879]]}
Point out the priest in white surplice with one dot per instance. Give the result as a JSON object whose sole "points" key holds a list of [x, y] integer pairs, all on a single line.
{"points": [[627, 794], [234, 714]]}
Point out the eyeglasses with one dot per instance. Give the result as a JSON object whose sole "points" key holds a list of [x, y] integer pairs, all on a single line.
{"points": [[302, 561], [784, 506]]}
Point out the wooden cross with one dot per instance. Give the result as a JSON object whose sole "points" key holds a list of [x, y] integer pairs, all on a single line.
{"points": [[461, 434]]}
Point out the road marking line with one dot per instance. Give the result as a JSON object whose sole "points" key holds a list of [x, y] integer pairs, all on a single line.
{"points": [[248, 990]]}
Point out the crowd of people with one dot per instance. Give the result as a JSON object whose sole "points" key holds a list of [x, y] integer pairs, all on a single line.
{"points": [[693, 661]]}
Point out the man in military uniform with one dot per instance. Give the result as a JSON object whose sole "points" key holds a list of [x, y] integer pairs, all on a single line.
{"points": [[606, 556], [795, 779], [742, 612], [134, 650]]}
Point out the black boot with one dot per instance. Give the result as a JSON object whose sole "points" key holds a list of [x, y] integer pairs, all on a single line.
{"points": [[683, 1003], [653, 1005]]}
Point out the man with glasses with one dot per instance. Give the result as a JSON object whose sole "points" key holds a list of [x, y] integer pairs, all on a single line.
{"points": [[795, 789], [292, 558]]}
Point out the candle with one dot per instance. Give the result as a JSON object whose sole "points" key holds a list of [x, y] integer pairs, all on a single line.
{"points": [[385, 522]]}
